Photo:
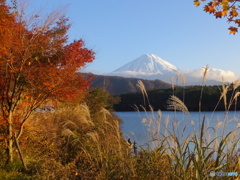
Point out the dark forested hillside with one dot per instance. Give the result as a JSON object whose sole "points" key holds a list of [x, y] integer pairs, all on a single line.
{"points": [[189, 95], [159, 93], [116, 85]]}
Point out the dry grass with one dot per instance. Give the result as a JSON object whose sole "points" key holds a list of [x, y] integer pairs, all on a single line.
{"points": [[72, 143], [193, 156]]}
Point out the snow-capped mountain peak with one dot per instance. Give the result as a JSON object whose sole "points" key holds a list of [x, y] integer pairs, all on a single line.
{"points": [[147, 64], [150, 66]]}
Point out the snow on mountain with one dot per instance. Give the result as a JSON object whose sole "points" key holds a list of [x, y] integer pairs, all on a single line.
{"points": [[148, 63], [150, 66]]}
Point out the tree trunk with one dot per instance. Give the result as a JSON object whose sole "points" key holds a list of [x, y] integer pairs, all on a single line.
{"points": [[20, 152], [10, 138]]}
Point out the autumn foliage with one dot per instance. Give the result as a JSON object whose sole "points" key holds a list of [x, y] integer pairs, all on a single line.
{"points": [[37, 64], [223, 8]]}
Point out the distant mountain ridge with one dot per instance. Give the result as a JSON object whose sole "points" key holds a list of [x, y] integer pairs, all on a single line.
{"points": [[119, 85], [151, 67]]}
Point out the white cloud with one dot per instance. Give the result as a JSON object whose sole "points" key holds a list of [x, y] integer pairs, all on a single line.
{"points": [[212, 74], [193, 77]]}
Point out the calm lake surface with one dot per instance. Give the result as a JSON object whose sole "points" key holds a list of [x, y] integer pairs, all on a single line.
{"points": [[142, 127]]}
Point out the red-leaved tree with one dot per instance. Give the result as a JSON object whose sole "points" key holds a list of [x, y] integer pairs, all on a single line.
{"points": [[228, 9], [36, 64]]}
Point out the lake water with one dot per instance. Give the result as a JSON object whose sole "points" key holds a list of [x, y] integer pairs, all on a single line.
{"points": [[142, 127]]}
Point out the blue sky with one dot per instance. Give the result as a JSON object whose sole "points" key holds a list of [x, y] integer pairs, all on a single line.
{"points": [[122, 30]]}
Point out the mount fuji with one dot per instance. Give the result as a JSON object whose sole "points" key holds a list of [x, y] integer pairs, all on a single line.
{"points": [[148, 66], [151, 67]]}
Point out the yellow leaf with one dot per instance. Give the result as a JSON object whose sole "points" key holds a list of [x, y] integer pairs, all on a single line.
{"points": [[224, 3], [196, 3]]}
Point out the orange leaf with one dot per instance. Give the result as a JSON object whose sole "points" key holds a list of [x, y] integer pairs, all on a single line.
{"points": [[224, 12], [233, 13], [233, 30], [209, 9], [218, 14], [215, 4], [237, 21]]}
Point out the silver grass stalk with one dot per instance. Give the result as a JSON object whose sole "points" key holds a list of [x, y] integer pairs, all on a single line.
{"points": [[143, 90], [236, 84], [94, 136], [224, 94], [183, 79], [206, 69], [174, 103], [105, 114]]}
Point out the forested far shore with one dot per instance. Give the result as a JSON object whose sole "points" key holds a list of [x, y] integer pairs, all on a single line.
{"points": [[190, 96]]}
